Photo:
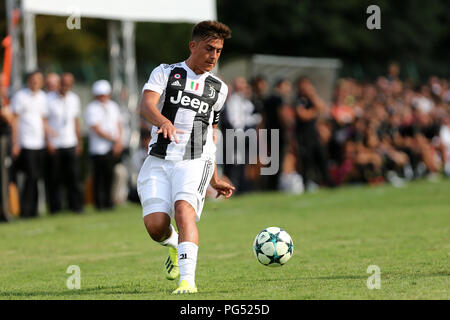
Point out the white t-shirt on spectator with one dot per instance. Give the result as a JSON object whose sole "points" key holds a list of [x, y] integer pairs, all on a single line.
{"points": [[444, 135], [240, 112], [62, 114], [423, 104], [107, 117], [31, 109]]}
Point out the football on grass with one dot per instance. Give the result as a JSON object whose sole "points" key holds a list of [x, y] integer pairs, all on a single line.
{"points": [[273, 247]]}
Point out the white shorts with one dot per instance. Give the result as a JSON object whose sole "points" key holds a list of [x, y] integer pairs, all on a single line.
{"points": [[163, 182]]}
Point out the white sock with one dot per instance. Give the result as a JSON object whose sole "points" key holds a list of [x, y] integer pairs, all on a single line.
{"points": [[172, 240], [187, 261]]}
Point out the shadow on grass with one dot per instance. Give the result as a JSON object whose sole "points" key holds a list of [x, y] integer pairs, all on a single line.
{"points": [[113, 290], [344, 277], [339, 277]]}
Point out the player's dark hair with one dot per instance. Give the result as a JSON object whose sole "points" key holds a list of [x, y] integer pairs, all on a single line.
{"points": [[210, 30]]}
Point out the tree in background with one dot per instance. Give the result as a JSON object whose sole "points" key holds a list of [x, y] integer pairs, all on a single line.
{"points": [[415, 33]]}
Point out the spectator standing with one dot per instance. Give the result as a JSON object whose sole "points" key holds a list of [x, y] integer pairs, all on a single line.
{"points": [[137, 160], [30, 110], [102, 117], [444, 135], [239, 115], [275, 117], [52, 82], [312, 154], [259, 87], [6, 121], [259, 93], [64, 147]]}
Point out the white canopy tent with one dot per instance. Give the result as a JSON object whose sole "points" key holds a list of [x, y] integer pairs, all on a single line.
{"points": [[133, 10], [122, 16]]}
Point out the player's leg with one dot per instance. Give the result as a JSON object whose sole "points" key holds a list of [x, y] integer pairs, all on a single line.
{"points": [[189, 182], [187, 246], [161, 231], [185, 220], [154, 190], [159, 228]]}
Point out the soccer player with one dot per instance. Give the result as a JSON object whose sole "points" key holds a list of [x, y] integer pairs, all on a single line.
{"points": [[183, 101]]}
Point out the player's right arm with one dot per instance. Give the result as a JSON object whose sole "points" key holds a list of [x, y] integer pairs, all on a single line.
{"points": [[150, 112], [151, 94]]}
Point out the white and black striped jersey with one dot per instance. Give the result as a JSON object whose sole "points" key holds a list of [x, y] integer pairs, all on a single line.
{"points": [[192, 103]]}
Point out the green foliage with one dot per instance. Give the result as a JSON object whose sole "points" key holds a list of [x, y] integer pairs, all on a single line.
{"points": [[412, 32], [83, 52], [416, 33], [158, 43]]}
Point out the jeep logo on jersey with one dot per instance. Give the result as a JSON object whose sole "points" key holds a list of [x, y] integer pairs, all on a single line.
{"points": [[192, 103]]}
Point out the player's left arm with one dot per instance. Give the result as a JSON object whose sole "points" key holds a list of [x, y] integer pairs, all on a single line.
{"points": [[222, 187]]}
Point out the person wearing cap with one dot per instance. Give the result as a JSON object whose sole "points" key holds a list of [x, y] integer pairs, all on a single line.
{"points": [[64, 146], [102, 117]]}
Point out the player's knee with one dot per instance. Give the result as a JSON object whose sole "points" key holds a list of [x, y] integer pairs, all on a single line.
{"points": [[157, 234], [184, 212], [158, 231]]}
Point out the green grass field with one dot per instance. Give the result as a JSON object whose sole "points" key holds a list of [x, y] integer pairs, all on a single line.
{"points": [[337, 234]]}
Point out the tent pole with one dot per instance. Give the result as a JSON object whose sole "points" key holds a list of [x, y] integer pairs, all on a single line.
{"points": [[29, 34], [115, 64], [128, 35], [13, 13]]}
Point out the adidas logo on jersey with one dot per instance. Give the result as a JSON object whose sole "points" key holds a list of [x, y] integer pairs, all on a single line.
{"points": [[176, 83], [186, 101]]}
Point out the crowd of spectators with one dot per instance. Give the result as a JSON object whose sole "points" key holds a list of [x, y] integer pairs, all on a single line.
{"points": [[41, 127], [385, 131]]}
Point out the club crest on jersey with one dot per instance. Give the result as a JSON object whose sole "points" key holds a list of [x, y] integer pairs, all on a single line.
{"points": [[212, 92], [191, 103]]}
